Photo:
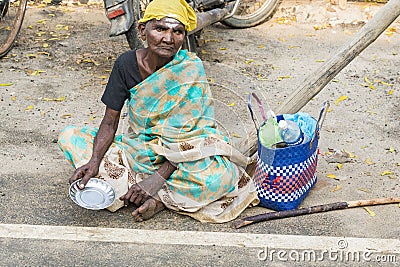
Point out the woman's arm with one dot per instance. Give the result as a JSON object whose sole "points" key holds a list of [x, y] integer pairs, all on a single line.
{"points": [[105, 135], [102, 142]]}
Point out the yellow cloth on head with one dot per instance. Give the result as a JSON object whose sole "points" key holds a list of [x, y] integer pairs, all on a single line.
{"points": [[177, 9]]}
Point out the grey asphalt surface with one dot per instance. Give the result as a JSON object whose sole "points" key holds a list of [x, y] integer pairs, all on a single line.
{"points": [[34, 189]]}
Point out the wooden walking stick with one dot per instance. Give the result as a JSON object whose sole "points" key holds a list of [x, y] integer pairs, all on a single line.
{"points": [[314, 209], [315, 82]]}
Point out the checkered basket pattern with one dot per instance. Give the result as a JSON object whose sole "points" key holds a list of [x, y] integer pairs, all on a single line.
{"points": [[285, 176]]}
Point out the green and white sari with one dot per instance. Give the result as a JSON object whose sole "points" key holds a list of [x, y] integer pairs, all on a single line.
{"points": [[171, 117]]}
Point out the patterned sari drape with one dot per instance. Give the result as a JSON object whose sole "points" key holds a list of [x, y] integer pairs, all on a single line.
{"points": [[171, 117]]}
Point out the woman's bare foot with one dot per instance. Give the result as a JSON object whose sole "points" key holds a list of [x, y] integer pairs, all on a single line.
{"points": [[148, 209]]}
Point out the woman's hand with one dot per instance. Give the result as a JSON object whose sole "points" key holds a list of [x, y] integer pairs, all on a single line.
{"points": [[85, 172], [142, 191]]}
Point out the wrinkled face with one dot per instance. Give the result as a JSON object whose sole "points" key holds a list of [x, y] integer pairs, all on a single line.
{"points": [[164, 37]]}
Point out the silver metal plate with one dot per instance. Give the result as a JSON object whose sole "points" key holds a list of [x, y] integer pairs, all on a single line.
{"points": [[96, 195]]}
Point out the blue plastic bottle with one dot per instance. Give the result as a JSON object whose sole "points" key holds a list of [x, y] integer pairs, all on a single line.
{"points": [[290, 132]]}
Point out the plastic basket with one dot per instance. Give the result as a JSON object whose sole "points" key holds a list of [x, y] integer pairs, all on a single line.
{"points": [[285, 176]]}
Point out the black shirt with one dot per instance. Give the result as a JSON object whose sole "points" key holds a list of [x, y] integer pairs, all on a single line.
{"points": [[125, 75]]}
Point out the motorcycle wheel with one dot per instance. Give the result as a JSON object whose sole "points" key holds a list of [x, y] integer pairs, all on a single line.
{"points": [[132, 36], [252, 12]]}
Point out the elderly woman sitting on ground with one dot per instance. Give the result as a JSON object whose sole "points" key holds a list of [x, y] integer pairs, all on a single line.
{"points": [[172, 156]]}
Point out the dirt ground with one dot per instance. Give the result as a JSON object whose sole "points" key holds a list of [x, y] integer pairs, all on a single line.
{"points": [[56, 74]]}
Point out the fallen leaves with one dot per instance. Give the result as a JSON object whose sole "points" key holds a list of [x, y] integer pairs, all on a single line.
{"points": [[44, 53], [261, 77], [58, 99], [390, 31], [368, 161], [42, 21], [372, 84], [31, 56], [341, 157], [332, 176], [212, 41], [348, 32], [47, 34], [366, 190], [29, 108], [322, 26], [340, 99], [338, 156], [385, 83], [369, 83], [35, 72], [390, 149], [6, 84], [337, 188], [87, 60], [389, 174], [350, 154], [62, 27], [370, 212], [66, 116], [236, 135], [280, 78], [286, 20]]}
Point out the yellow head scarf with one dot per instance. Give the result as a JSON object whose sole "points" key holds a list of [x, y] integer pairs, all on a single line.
{"points": [[177, 9]]}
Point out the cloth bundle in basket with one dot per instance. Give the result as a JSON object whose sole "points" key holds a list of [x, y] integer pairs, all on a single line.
{"points": [[284, 176]]}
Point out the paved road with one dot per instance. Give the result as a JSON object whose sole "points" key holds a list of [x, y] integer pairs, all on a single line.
{"points": [[41, 226], [42, 245]]}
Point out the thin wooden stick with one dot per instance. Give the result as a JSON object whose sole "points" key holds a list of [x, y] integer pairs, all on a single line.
{"points": [[313, 209]]}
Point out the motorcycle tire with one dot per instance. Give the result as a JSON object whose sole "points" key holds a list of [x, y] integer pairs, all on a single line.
{"points": [[243, 18], [132, 36]]}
